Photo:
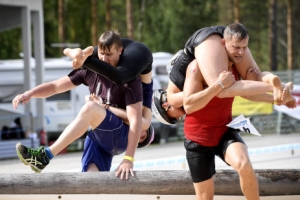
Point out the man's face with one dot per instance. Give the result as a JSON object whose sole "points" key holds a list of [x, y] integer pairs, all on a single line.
{"points": [[112, 56], [236, 49]]}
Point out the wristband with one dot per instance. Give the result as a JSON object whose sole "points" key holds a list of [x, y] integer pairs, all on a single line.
{"points": [[128, 158], [220, 83]]}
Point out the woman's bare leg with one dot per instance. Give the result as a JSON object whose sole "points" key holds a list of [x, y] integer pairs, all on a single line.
{"points": [[275, 81], [212, 58], [287, 97]]}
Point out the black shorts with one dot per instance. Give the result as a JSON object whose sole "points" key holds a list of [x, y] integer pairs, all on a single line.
{"points": [[201, 159], [177, 75]]}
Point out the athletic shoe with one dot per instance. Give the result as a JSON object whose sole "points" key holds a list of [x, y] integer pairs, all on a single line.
{"points": [[36, 158]]}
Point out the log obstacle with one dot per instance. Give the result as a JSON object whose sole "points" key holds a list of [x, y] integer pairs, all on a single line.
{"points": [[272, 182]]}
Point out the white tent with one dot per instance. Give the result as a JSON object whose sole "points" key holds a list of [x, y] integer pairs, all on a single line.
{"points": [[27, 14]]}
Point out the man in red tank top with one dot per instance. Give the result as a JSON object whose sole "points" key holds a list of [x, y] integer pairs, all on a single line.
{"points": [[205, 127], [208, 113], [207, 104]]}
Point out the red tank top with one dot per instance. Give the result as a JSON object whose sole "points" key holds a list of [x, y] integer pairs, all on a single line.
{"points": [[207, 125]]}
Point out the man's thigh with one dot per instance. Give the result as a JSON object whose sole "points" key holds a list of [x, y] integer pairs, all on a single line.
{"points": [[201, 161], [236, 154], [230, 137], [94, 155], [212, 58]]}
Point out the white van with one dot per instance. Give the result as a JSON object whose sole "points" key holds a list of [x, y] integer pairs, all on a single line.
{"points": [[60, 109], [159, 70]]}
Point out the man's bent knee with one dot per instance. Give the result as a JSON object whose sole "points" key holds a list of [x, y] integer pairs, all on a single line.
{"points": [[91, 107], [236, 155], [93, 112], [243, 166]]}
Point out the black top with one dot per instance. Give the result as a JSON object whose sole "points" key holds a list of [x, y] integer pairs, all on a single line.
{"points": [[178, 73], [136, 58]]}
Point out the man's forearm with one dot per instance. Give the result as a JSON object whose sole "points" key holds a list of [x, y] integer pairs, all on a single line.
{"points": [[134, 114], [200, 99], [42, 91]]}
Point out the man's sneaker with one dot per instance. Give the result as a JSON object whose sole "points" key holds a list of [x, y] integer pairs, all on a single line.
{"points": [[36, 158]]}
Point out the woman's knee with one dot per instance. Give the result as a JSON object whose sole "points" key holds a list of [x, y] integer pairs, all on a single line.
{"points": [[91, 108]]}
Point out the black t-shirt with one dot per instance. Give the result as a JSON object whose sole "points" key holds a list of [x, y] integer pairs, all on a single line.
{"points": [[136, 58], [110, 93]]}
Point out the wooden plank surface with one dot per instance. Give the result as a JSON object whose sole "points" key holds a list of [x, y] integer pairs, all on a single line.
{"points": [[178, 182]]}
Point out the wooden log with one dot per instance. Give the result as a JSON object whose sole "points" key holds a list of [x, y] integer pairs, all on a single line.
{"points": [[272, 182]]}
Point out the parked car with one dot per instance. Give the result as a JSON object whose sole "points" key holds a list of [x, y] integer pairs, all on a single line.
{"points": [[160, 81]]}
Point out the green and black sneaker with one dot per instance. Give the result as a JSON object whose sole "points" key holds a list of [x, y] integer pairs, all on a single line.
{"points": [[36, 158]]}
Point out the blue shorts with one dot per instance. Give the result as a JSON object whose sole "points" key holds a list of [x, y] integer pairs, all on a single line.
{"points": [[107, 140]]}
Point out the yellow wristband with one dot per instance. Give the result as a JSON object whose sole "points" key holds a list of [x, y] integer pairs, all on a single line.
{"points": [[129, 158]]}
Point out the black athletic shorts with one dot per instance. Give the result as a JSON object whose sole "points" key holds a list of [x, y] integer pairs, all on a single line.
{"points": [[177, 75], [201, 159]]}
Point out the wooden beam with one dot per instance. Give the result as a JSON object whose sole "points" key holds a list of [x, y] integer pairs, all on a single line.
{"points": [[272, 182]]}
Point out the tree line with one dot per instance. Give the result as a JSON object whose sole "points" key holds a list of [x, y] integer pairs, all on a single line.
{"points": [[165, 25]]}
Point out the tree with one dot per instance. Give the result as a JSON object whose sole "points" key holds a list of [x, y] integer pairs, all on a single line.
{"points": [[108, 15], [61, 23], [226, 12], [257, 26], [129, 19], [236, 11], [272, 35], [168, 24], [141, 20], [289, 36], [94, 21]]}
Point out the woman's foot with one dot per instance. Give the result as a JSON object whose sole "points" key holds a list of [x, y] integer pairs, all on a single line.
{"points": [[78, 55], [73, 53], [286, 94], [277, 90], [79, 60]]}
